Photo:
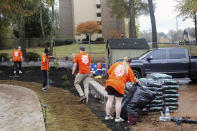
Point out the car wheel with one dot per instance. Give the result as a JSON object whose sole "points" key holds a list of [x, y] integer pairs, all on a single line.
{"points": [[137, 74]]}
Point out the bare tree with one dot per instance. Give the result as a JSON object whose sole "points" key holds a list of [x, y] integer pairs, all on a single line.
{"points": [[153, 24], [132, 27], [41, 22]]}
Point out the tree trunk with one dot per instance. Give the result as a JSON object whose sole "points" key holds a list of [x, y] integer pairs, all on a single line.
{"points": [[41, 22], [52, 29], [21, 22], [132, 27], [195, 22], [153, 24], [0, 31], [22, 34]]}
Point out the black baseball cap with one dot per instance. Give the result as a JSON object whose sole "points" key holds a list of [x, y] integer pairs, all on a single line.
{"points": [[82, 48]]}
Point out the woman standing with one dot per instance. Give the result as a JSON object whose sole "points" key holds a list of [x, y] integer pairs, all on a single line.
{"points": [[119, 73], [45, 68]]}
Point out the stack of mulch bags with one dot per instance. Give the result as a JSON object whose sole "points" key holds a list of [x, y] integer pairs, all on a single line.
{"points": [[167, 92]]}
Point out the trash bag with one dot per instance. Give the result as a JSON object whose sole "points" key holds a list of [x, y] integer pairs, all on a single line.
{"points": [[170, 92], [171, 99], [157, 101], [155, 105], [171, 103], [140, 99], [156, 89], [149, 82], [159, 76], [171, 95], [169, 82], [130, 88], [155, 109], [143, 96], [170, 87]]}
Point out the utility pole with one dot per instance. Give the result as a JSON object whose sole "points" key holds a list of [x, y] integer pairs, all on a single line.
{"points": [[195, 21], [177, 28]]}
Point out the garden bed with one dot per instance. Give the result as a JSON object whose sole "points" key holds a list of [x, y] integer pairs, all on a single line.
{"points": [[65, 113]]}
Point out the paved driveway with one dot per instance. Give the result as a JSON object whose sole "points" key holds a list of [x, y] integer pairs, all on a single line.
{"points": [[20, 109]]}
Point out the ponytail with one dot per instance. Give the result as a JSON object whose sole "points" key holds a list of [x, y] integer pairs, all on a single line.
{"points": [[125, 64]]}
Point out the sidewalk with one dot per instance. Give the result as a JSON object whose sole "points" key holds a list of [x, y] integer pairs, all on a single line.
{"points": [[20, 109]]}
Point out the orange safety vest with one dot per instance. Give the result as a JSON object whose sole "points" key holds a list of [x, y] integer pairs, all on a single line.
{"points": [[44, 61], [17, 55], [118, 77]]}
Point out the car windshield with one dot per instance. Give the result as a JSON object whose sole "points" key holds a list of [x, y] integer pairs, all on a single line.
{"points": [[144, 54]]}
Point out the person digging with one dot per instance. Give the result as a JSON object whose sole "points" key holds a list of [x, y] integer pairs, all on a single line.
{"points": [[82, 61]]}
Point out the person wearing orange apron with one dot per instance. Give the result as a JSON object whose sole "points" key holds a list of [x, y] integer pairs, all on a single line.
{"points": [[17, 58], [45, 68], [119, 73]]}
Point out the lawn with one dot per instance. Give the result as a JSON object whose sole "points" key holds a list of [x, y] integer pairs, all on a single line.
{"points": [[97, 50]]}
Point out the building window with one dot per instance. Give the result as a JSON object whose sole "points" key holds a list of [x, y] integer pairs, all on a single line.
{"points": [[98, 6], [98, 14]]}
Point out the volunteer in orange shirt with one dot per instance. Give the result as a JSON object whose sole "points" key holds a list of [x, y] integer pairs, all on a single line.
{"points": [[45, 68], [82, 61], [17, 58], [119, 73]]}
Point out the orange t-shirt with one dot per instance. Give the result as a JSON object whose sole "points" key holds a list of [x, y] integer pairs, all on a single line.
{"points": [[83, 62], [44, 61], [17, 55], [118, 77]]}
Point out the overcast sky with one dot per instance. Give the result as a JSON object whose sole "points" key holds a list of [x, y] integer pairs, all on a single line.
{"points": [[165, 15]]}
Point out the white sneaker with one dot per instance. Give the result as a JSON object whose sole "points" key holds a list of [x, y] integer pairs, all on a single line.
{"points": [[44, 89], [108, 117], [20, 72], [119, 119]]}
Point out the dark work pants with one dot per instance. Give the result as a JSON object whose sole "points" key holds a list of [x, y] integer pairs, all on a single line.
{"points": [[16, 63], [45, 77]]}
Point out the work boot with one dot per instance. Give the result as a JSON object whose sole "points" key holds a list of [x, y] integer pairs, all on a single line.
{"points": [[132, 120], [82, 99]]}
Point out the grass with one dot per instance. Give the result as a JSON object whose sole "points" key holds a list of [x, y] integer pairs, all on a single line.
{"points": [[64, 113], [97, 50]]}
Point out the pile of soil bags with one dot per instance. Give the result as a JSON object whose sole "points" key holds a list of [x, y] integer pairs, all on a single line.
{"points": [[167, 92], [154, 94], [136, 97]]}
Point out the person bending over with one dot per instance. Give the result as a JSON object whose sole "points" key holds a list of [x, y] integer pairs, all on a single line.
{"points": [[119, 73]]}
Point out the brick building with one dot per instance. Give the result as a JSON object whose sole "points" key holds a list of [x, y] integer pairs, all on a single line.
{"points": [[73, 12]]}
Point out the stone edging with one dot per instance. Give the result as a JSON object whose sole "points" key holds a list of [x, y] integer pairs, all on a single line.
{"points": [[62, 64], [97, 90]]}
